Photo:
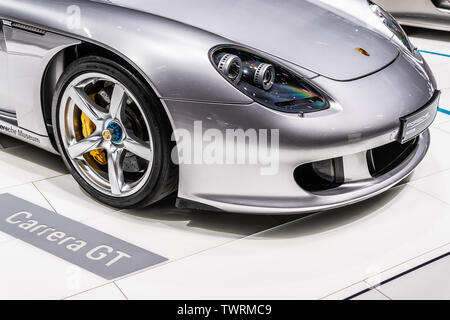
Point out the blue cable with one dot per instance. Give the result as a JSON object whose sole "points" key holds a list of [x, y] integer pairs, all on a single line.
{"points": [[435, 53], [447, 112]]}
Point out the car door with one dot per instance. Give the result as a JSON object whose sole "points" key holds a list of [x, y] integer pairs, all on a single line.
{"points": [[29, 51]]}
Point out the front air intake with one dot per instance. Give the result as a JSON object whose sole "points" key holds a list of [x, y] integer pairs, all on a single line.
{"points": [[385, 158], [321, 175]]}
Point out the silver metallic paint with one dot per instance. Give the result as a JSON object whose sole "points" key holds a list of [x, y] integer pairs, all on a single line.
{"points": [[329, 52], [4, 100], [348, 193], [168, 43], [158, 47], [28, 57], [355, 128]]}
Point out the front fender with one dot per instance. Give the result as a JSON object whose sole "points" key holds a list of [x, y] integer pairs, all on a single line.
{"points": [[172, 56]]}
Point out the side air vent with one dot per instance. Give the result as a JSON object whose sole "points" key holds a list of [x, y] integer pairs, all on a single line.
{"points": [[28, 28]]}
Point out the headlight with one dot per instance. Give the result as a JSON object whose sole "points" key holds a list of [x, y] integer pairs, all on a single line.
{"points": [[266, 82], [390, 22]]}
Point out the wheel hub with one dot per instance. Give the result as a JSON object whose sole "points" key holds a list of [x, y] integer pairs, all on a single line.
{"points": [[107, 134], [113, 132]]}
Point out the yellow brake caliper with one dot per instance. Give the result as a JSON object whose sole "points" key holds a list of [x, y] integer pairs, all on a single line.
{"points": [[88, 127]]}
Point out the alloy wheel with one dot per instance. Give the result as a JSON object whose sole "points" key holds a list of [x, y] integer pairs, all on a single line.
{"points": [[113, 149]]}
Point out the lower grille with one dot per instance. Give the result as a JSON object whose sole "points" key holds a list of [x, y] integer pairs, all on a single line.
{"points": [[320, 176], [329, 174]]}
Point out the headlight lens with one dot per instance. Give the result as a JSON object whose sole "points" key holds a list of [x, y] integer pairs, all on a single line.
{"points": [[266, 82], [390, 22]]}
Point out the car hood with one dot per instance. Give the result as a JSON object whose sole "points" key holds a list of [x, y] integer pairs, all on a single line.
{"points": [[307, 34]]}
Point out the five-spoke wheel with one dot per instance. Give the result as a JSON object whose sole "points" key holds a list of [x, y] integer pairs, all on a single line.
{"points": [[106, 132]]}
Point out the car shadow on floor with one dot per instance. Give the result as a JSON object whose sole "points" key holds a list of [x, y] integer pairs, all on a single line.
{"points": [[244, 224], [212, 222], [334, 219], [38, 156], [8, 142]]}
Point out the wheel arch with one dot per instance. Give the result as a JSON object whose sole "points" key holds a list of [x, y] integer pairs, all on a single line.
{"points": [[59, 63]]}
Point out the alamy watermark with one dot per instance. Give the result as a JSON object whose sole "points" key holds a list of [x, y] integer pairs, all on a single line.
{"points": [[258, 147], [73, 17]]}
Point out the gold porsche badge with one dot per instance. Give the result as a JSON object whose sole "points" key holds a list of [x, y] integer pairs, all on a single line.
{"points": [[362, 51], [107, 135]]}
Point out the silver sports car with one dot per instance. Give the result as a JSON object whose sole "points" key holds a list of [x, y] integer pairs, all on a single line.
{"points": [[253, 106], [432, 14]]}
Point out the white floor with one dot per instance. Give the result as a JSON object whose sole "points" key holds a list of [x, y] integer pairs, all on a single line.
{"points": [[332, 255]]}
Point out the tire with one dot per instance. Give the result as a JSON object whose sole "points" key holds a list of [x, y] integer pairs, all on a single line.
{"points": [[161, 174]]}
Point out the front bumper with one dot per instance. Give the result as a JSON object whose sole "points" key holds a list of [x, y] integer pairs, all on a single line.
{"points": [[363, 118], [348, 193]]}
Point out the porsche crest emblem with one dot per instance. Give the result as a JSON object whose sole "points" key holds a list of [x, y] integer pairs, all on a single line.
{"points": [[362, 51], [107, 135]]}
